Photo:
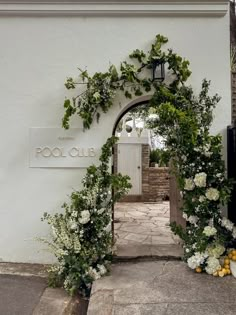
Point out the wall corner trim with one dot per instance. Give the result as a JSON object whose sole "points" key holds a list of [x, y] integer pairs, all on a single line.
{"points": [[120, 8]]}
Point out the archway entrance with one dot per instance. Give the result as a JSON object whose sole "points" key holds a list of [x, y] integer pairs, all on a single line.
{"points": [[141, 220]]}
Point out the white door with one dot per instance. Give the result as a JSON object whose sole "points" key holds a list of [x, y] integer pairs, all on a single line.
{"points": [[129, 163]]}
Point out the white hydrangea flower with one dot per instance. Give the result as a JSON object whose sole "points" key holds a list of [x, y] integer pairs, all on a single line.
{"points": [[193, 219], [189, 184], [202, 198], [196, 260], [215, 250], [212, 194], [73, 225], [84, 217], [102, 269], [94, 274], [213, 265], [208, 154], [209, 231], [200, 179], [234, 232], [185, 216], [227, 224]]}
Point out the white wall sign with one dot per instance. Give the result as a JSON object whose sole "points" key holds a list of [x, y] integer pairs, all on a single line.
{"points": [[55, 147]]}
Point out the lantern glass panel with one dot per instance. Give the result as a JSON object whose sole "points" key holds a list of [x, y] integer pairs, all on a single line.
{"points": [[158, 72]]}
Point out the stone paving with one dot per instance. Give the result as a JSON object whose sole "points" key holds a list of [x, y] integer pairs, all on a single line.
{"points": [[161, 288], [143, 229]]}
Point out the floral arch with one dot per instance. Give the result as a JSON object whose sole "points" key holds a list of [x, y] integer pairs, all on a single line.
{"points": [[81, 238]]}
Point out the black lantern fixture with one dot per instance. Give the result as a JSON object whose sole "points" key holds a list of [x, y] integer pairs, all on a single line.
{"points": [[158, 70]]}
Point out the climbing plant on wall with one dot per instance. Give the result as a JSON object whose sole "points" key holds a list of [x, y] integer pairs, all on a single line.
{"points": [[183, 119]]}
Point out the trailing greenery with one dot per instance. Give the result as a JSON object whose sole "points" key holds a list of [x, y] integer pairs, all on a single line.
{"points": [[81, 239], [81, 236], [100, 89]]}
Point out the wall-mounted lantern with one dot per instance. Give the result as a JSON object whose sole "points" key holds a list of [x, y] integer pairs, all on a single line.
{"points": [[158, 70]]}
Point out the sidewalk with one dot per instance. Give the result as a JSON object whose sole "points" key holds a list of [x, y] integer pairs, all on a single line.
{"points": [[161, 288], [24, 291]]}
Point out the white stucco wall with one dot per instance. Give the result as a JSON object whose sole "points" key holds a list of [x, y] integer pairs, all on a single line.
{"points": [[37, 54]]}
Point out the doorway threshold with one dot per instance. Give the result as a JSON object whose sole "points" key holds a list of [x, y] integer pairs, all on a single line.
{"points": [[131, 252]]}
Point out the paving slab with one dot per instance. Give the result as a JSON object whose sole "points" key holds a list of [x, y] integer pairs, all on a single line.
{"points": [[20, 295], [162, 288], [138, 224], [23, 291]]}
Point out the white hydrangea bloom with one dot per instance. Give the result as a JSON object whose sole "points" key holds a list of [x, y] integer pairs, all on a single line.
{"points": [[215, 250], [208, 154], [213, 265], [196, 260], [209, 231], [212, 194], [227, 224], [102, 269], [234, 232], [73, 225], [193, 219], [202, 198], [200, 179], [94, 274], [84, 217], [185, 216], [189, 184]]}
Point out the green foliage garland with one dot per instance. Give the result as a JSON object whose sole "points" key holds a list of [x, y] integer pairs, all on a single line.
{"points": [[101, 88]]}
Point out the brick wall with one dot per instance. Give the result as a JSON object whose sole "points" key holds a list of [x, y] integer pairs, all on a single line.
{"points": [[158, 184]]}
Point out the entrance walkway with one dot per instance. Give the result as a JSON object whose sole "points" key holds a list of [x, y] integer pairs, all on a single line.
{"points": [[142, 229], [161, 288]]}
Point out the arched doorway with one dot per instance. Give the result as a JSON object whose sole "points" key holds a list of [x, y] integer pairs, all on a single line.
{"points": [[141, 220]]}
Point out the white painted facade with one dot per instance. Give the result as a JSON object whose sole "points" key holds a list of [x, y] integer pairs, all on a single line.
{"points": [[44, 42]]}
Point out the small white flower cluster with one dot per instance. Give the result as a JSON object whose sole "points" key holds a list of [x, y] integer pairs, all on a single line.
{"points": [[196, 260], [209, 230], [102, 269], [202, 198], [200, 179], [189, 184], [212, 194], [226, 223], [193, 219], [93, 273], [96, 274], [84, 217]]}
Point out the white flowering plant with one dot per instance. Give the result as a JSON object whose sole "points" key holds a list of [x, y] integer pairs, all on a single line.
{"points": [[184, 120], [81, 237]]}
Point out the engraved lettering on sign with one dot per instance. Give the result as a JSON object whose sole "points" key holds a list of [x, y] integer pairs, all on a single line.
{"points": [[92, 152], [73, 152], [57, 152]]}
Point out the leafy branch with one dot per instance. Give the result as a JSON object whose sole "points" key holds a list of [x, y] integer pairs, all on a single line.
{"points": [[101, 88]]}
